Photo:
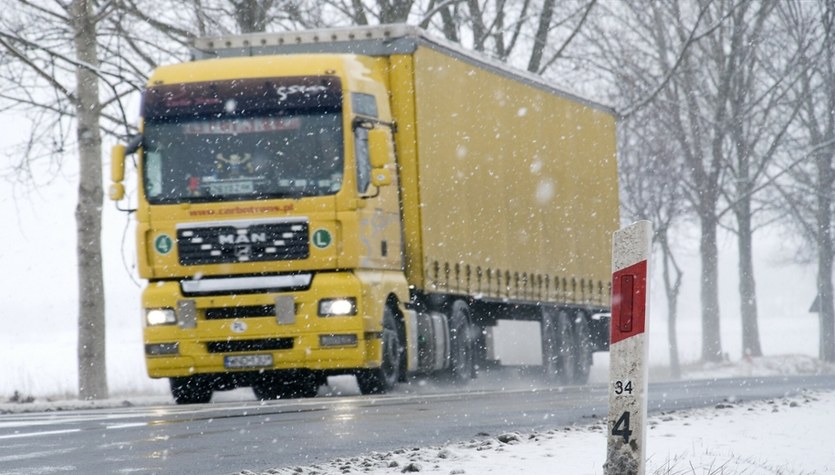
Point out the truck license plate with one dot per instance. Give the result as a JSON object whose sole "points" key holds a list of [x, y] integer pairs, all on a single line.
{"points": [[248, 361]]}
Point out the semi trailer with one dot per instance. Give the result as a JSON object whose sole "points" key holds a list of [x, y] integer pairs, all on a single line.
{"points": [[368, 201]]}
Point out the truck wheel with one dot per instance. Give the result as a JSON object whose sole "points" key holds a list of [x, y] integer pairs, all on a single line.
{"points": [[461, 345], [479, 349], [382, 379], [190, 390], [582, 347], [267, 390], [557, 346]]}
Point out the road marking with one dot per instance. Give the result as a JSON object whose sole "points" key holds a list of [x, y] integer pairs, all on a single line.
{"points": [[38, 434], [127, 425]]}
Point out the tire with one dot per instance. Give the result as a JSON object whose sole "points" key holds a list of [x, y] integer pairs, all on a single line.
{"points": [[461, 344], [190, 390], [383, 379], [558, 352], [266, 390], [583, 354], [285, 387], [479, 349]]}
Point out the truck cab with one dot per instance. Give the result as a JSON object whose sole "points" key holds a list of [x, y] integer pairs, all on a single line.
{"points": [[268, 206]]}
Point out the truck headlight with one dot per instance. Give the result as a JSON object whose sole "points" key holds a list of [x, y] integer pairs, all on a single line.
{"points": [[338, 307], [160, 316]]}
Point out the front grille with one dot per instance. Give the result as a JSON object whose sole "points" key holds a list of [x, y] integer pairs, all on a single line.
{"points": [[255, 242], [240, 312], [235, 346]]}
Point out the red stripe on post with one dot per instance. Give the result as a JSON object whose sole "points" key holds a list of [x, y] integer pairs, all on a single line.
{"points": [[629, 301]]}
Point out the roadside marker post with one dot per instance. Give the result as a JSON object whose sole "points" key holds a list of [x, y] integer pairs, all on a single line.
{"points": [[628, 350]]}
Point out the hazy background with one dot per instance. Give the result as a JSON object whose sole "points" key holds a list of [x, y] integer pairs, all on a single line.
{"points": [[39, 284]]}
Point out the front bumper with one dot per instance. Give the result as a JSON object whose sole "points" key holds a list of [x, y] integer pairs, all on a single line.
{"points": [[241, 324]]}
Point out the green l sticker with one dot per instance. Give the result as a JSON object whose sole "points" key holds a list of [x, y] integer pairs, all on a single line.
{"points": [[322, 238]]}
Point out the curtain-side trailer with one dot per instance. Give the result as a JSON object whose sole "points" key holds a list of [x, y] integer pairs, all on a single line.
{"points": [[367, 201]]}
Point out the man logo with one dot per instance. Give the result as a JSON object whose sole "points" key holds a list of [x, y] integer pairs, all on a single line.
{"points": [[243, 251], [242, 238]]}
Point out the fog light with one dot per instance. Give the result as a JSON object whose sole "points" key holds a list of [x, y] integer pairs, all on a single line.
{"points": [[160, 349], [338, 307], [338, 340], [160, 316]]}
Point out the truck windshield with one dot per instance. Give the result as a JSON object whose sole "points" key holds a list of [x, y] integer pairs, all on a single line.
{"points": [[243, 158]]}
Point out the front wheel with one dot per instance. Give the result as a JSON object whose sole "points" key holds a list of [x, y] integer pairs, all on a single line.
{"points": [[382, 379]]}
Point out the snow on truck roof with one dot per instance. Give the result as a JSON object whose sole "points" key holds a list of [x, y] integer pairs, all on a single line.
{"points": [[380, 40]]}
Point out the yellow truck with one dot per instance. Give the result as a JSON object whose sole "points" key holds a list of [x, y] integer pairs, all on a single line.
{"points": [[366, 201]]}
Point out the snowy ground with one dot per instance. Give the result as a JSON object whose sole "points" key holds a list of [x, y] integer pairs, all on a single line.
{"points": [[786, 436], [732, 438]]}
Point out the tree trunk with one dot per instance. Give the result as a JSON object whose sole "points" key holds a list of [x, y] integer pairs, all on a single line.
{"points": [[477, 25], [747, 285], [92, 368], [541, 37], [671, 288], [251, 15], [711, 334], [825, 255], [394, 11]]}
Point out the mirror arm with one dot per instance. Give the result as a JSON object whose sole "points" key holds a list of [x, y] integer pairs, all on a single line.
{"points": [[368, 197], [124, 210], [370, 122], [134, 142]]}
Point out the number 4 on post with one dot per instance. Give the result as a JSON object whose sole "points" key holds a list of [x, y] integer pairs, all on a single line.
{"points": [[621, 427]]}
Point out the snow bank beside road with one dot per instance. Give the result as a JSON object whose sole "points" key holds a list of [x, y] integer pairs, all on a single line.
{"points": [[761, 366], [786, 436]]}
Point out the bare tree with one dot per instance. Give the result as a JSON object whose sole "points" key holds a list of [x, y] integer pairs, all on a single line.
{"points": [[810, 27], [655, 196], [759, 117], [58, 69], [538, 30], [672, 55]]}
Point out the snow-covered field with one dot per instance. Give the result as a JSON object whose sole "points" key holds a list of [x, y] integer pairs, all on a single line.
{"points": [[787, 436]]}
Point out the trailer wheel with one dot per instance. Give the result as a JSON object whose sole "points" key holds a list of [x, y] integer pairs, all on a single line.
{"points": [[382, 379], [190, 390], [461, 344], [558, 349], [582, 347]]}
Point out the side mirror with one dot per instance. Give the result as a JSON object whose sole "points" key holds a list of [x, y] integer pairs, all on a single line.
{"points": [[379, 147], [117, 163], [380, 177], [117, 172], [116, 191]]}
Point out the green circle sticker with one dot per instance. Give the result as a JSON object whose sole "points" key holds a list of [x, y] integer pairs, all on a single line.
{"points": [[322, 238], [163, 244]]}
